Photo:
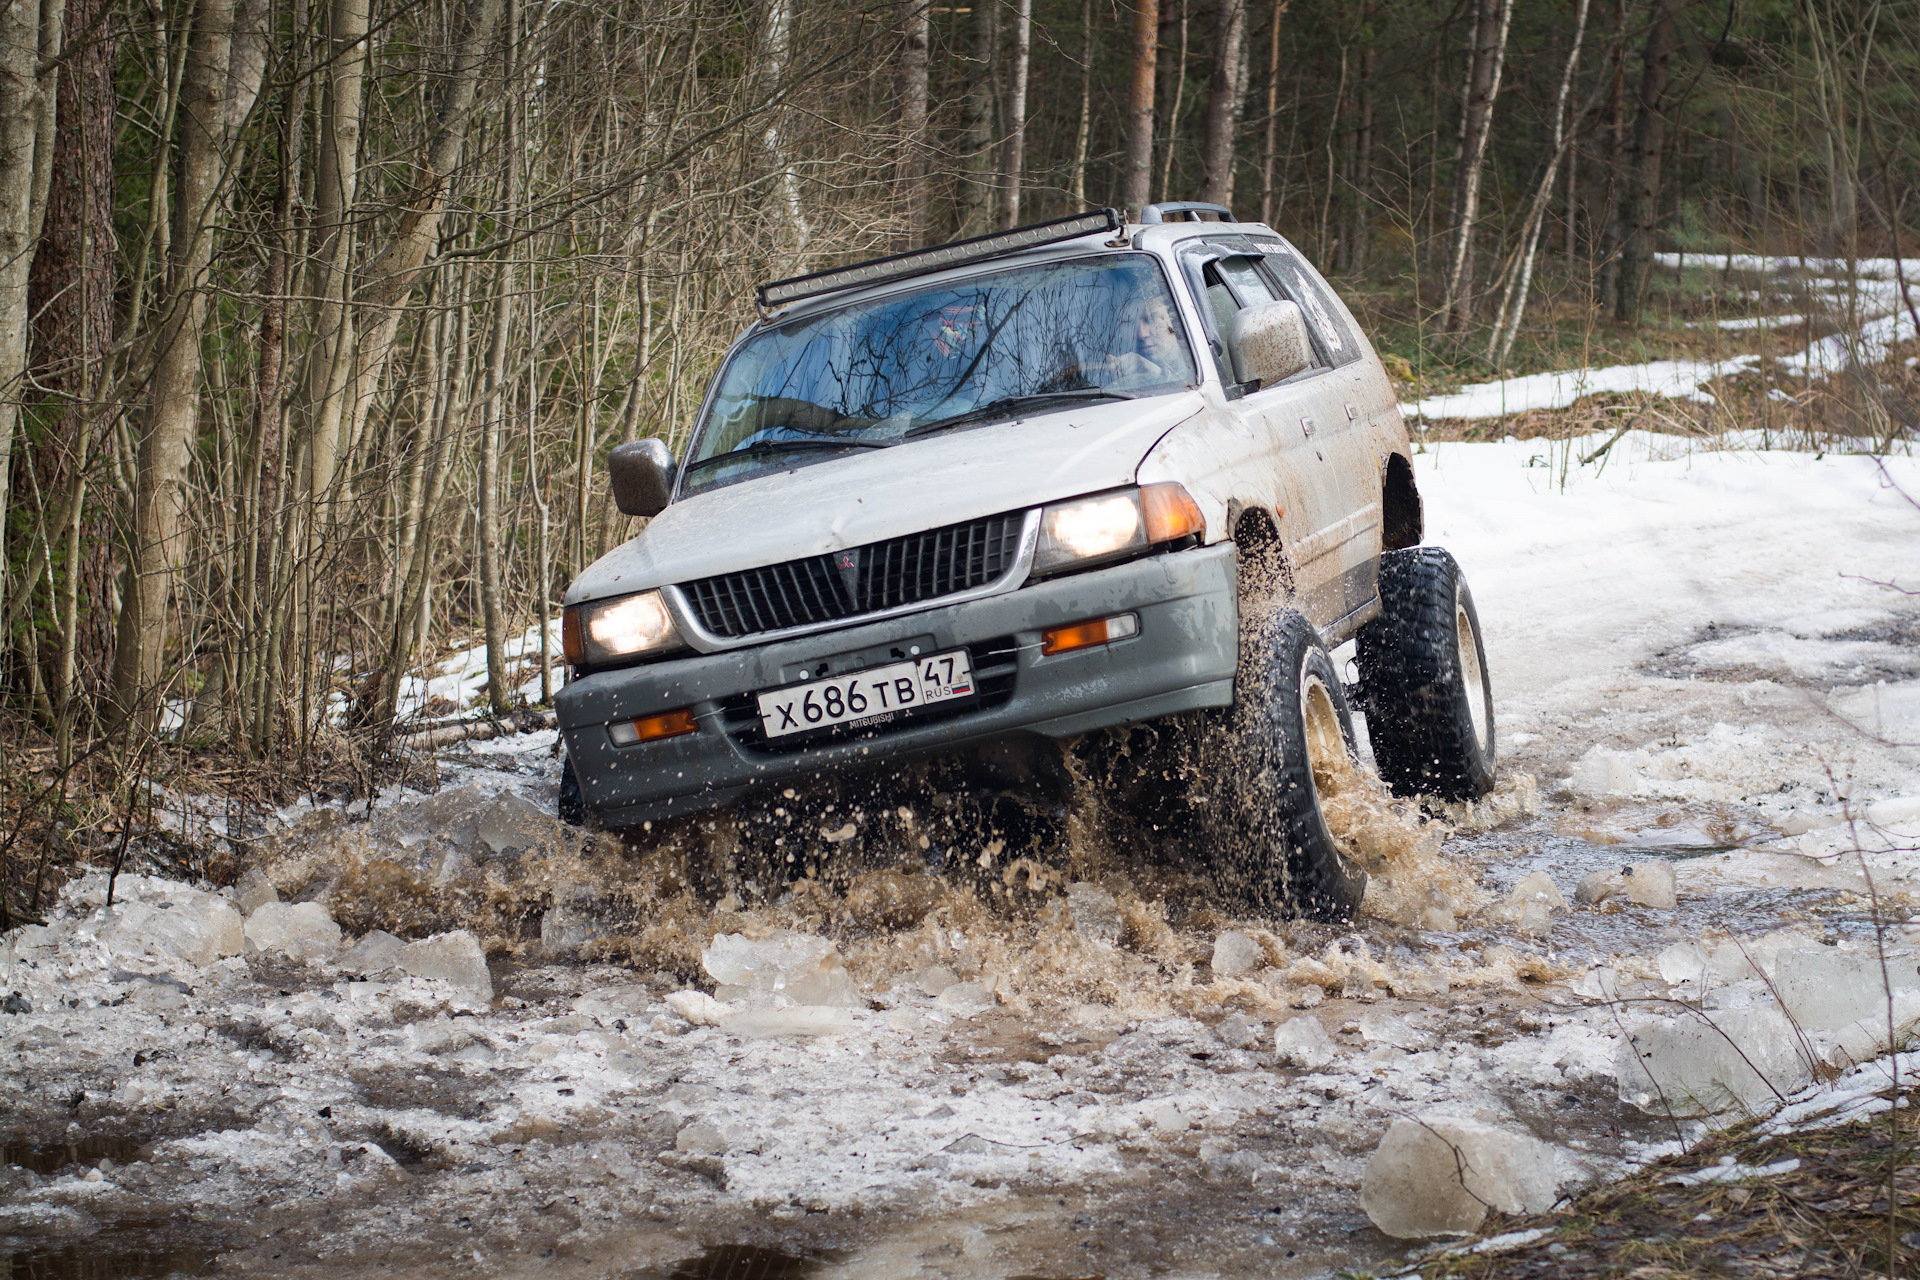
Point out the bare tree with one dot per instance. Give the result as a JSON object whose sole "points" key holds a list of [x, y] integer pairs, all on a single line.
{"points": [[160, 500], [1146, 50], [1016, 149], [1223, 100], [1477, 96]]}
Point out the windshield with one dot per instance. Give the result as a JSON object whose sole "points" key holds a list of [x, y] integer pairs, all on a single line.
{"points": [[978, 350]]}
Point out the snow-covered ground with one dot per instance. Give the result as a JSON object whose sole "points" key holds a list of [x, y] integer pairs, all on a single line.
{"points": [[1696, 668], [1875, 311]]}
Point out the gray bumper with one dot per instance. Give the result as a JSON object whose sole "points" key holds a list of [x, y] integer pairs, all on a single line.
{"points": [[1183, 658]]}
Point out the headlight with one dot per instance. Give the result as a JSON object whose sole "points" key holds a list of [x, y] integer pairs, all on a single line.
{"points": [[608, 630], [1110, 526]]}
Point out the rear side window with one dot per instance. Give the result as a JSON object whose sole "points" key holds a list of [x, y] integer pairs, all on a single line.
{"points": [[1324, 314]]}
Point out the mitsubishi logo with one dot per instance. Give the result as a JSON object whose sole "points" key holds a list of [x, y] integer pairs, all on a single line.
{"points": [[848, 563]]}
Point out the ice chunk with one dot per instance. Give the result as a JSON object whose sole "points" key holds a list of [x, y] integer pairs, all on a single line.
{"points": [[1238, 1031], [1596, 887], [701, 1138], [1651, 884], [1823, 988], [254, 891], [798, 967], [513, 823], [454, 957], [967, 998], [1236, 954], [1419, 983], [697, 1007], [377, 952], [1602, 772], [301, 931], [1380, 1027], [1531, 905], [1439, 1175], [1303, 1042], [565, 929], [1096, 913], [934, 979], [1873, 1036], [1700, 1064], [1685, 963], [793, 1020], [1738, 958], [197, 928]]}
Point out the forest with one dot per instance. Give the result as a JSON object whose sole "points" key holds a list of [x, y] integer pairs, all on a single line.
{"points": [[319, 318]]}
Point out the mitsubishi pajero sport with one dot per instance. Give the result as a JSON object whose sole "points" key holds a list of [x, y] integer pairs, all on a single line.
{"points": [[1039, 484]]}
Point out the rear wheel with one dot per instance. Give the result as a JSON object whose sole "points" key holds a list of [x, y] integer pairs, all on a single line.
{"points": [[1423, 665], [1284, 749]]}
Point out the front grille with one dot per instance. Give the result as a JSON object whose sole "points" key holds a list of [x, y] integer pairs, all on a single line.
{"points": [[996, 665], [846, 584]]}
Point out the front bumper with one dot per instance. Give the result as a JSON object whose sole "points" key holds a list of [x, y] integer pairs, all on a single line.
{"points": [[1183, 658]]}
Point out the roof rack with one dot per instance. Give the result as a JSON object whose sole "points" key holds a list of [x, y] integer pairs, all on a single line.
{"points": [[1192, 208], [921, 261]]}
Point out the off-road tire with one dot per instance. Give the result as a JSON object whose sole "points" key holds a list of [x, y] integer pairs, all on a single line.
{"points": [[1423, 673], [1269, 838], [572, 804]]}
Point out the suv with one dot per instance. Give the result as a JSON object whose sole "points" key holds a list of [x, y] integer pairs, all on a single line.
{"points": [[1071, 477]]}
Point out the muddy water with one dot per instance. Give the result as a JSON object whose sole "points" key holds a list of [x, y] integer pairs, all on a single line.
{"points": [[1095, 948]]}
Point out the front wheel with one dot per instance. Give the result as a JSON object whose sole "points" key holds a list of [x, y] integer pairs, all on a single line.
{"points": [[1286, 747], [1423, 665], [572, 804]]}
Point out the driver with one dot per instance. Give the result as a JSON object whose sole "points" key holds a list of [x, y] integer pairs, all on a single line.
{"points": [[1146, 347]]}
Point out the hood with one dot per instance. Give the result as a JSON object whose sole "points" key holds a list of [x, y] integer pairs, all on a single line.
{"points": [[884, 493]]}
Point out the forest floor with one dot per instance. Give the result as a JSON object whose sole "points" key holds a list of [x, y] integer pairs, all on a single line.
{"points": [[1037, 1068]]}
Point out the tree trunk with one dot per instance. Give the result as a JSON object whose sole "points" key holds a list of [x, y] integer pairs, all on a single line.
{"points": [[910, 86], [1482, 88], [1360, 228], [1083, 134], [1273, 111], [159, 508], [1016, 153], [1177, 73], [977, 199], [392, 275], [1649, 143], [1223, 100], [29, 32], [1514, 305], [791, 230], [1146, 51]]}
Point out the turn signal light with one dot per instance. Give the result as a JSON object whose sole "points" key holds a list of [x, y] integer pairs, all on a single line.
{"points": [[572, 642], [1085, 635], [1171, 513], [668, 724]]}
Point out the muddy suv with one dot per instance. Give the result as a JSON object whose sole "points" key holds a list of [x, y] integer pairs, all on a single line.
{"points": [[1062, 484]]}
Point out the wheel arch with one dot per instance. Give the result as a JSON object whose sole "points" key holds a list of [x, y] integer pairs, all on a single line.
{"points": [[1402, 515]]}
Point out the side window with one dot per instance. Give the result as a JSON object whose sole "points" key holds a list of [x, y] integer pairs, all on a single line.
{"points": [[1234, 284], [1323, 312]]}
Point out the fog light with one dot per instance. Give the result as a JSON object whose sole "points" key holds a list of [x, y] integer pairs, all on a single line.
{"points": [[668, 724], [1085, 635]]}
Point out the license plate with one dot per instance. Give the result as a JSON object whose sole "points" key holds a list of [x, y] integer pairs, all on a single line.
{"points": [[873, 696]]}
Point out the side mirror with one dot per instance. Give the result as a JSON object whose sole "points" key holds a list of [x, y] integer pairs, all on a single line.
{"points": [[641, 475], [1269, 343]]}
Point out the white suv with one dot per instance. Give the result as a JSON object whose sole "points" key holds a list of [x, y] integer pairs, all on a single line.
{"points": [[1079, 475]]}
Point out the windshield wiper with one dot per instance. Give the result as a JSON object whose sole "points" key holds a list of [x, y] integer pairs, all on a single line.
{"points": [[1009, 404], [765, 447]]}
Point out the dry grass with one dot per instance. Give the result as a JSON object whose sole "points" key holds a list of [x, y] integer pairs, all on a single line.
{"points": [[1852, 1208]]}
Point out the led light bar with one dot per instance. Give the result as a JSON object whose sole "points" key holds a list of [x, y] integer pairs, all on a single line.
{"points": [[921, 261]]}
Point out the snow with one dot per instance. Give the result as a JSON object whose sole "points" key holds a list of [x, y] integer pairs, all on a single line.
{"points": [[1684, 642], [1873, 297]]}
